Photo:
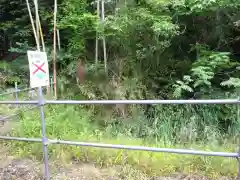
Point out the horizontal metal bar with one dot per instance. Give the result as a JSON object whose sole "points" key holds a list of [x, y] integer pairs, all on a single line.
{"points": [[16, 91], [140, 148], [19, 102], [17, 114], [20, 90], [213, 101], [208, 101], [8, 117], [7, 93], [21, 139], [31, 108]]}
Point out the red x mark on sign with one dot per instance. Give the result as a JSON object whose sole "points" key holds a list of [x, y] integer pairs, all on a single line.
{"points": [[38, 68]]}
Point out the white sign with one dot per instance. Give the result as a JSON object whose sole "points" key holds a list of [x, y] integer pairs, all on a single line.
{"points": [[38, 66]]}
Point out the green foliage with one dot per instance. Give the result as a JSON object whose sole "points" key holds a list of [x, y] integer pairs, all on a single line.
{"points": [[181, 86], [8, 75], [232, 82], [76, 123], [204, 71], [156, 49], [154, 32], [77, 24]]}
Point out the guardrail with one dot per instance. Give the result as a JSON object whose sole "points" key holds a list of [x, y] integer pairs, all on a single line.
{"points": [[16, 92], [45, 141]]}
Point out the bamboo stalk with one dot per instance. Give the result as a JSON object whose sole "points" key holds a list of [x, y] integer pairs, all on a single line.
{"points": [[40, 34], [43, 46], [58, 37], [33, 27], [37, 19], [54, 50], [96, 43], [103, 39]]}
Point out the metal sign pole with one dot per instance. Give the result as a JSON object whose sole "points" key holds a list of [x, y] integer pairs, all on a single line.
{"points": [[44, 138], [238, 161], [238, 120], [39, 77]]}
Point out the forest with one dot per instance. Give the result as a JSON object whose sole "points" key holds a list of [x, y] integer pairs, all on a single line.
{"points": [[154, 49]]}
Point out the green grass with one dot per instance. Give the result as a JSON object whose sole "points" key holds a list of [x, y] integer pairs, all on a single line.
{"points": [[77, 123]]}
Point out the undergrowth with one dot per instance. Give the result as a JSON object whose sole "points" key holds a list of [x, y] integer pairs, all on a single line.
{"points": [[172, 128], [200, 127]]}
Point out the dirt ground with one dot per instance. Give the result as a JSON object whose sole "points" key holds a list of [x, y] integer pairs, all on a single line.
{"points": [[12, 168], [25, 169]]}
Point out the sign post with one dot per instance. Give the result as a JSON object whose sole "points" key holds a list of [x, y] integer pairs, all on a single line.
{"points": [[38, 66], [39, 76]]}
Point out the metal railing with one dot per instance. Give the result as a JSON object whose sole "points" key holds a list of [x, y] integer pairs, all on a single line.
{"points": [[45, 141], [16, 94]]}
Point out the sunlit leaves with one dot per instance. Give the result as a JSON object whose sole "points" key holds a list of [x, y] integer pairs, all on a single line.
{"points": [[203, 75], [204, 71], [164, 27], [232, 82], [182, 86]]}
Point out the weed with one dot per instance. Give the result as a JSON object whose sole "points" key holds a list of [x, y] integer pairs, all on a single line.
{"points": [[79, 124]]}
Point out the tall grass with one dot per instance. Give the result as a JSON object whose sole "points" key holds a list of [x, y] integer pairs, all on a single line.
{"points": [[172, 127], [203, 127]]}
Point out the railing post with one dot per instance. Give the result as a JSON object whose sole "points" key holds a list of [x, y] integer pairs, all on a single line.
{"points": [[238, 161], [238, 121], [51, 87], [16, 93], [44, 138]]}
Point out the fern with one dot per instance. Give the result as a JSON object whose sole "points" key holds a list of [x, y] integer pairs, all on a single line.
{"points": [[203, 76], [203, 72], [182, 86], [231, 82]]}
